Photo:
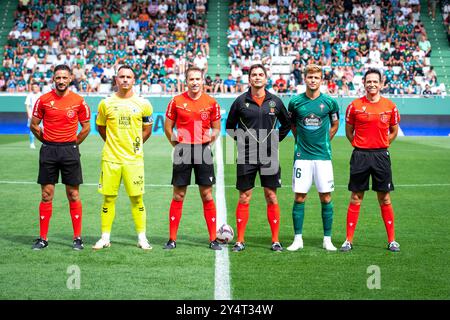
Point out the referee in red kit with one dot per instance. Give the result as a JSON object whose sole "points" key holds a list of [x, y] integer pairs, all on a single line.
{"points": [[61, 110], [371, 126]]}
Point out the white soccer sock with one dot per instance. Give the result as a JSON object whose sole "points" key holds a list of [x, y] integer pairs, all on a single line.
{"points": [[298, 237], [142, 236], [105, 236]]}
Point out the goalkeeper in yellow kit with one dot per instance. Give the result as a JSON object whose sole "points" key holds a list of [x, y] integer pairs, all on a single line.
{"points": [[124, 122]]}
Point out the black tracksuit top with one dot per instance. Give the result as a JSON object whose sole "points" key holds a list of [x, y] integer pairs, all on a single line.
{"points": [[246, 114]]}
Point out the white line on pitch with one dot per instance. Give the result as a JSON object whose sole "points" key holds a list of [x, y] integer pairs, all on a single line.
{"points": [[222, 289]]}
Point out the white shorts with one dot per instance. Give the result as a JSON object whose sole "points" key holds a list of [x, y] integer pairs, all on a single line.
{"points": [[305, 171]]}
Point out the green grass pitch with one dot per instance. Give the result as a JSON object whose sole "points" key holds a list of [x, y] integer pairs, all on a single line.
{"points": [[421, 168]]}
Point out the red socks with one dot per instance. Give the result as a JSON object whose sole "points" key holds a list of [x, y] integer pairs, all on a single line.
{"points": [[352, 220], [388, 217], [273, 216], [242, 213], [209, 212], [176, 207], [76, 211], [45, 213]]}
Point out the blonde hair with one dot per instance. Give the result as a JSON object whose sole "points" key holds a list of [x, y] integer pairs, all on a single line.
{"points": [[313, 68]]}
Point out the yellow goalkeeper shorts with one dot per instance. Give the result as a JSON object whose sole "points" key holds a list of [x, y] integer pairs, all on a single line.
{"points": [[112, 174]]}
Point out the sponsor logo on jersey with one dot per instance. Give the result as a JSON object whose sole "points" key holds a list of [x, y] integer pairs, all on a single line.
{"points": [[312, 122], [272, 111], [247, 104], [124, 120]]}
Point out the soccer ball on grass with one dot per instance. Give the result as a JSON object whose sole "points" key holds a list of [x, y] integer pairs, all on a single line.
{"points": [[225, 233]]}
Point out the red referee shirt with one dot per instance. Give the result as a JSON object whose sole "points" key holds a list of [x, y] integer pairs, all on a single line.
{"points": [[371, 122], [193, 118], [61, 115]]}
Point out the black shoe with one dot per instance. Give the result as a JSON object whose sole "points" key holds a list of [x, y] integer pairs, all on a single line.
{"points": [[39, 244], [276, 246], [214, 245], [171, 244], [238, 246], [78, 244]]}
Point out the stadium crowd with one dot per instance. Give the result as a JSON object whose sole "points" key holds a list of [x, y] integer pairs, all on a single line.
{"points": [[346, 37], [161, 38]]}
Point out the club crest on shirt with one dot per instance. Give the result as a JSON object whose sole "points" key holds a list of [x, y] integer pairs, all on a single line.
{"points": [[272, 104], [384, 118], [204, 115], [70, 114], [321, 107]]}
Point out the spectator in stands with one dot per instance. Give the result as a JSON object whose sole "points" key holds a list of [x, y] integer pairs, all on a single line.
{"points": [[247, 46], [427, 91], [281, 84], [30, 63], [78, 73], [108, 73], [94, 82], [274, 40], [201, 62], [240, 85], [425, 46], [218, 84], [229, 84], [2, 82], [208, 86]]}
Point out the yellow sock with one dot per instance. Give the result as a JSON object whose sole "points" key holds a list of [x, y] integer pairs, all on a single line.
{"points": [[139, 214], [108, 213]]}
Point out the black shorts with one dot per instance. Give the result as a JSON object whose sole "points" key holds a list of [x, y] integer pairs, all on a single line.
{"points": [[193, 156], [246, 175], [370, 162], [64, 157]]}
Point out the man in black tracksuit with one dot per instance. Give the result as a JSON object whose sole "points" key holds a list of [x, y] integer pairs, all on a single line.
{"points": [[252, 122]]}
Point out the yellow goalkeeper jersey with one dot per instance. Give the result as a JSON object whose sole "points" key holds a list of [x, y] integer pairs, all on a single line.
{"points": [[124, 119]]}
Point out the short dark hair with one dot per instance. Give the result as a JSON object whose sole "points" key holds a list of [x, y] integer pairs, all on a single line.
{"points": [[256, 66], [372, 70], [62, 67], [125, 66]]}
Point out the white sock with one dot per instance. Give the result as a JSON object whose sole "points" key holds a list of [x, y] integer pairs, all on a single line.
{"points": [[105, 236], [142, 236], [327, 238], [298, 237]]}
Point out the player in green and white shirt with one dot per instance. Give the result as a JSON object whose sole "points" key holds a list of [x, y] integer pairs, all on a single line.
{"points": [[315, 121]]}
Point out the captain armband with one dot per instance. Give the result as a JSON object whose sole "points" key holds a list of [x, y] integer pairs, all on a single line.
{"points": [[334, 116], [147, 120]]}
